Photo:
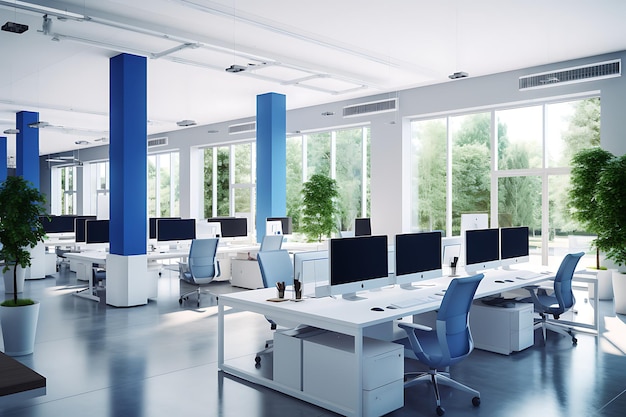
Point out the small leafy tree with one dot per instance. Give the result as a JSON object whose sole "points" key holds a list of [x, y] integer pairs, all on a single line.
{"points": [[588, 166], [319, 209], [611, 195], [21, 204]]}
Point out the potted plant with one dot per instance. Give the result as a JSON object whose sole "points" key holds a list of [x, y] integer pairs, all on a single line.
{"points": [[611, 195], [21, 204], [319, 208], [587, 168]]}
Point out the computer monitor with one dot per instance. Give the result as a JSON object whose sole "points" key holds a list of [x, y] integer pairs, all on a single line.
{"points": [[80, 235], [514, 245], [271, 242], [152, 226], [273, 227], [232, 226], [57, 224], [176, 229], [418, 257], [451, 249], [356, 264], [482, 249], [96, 231], [286, 224], [362, 227]]}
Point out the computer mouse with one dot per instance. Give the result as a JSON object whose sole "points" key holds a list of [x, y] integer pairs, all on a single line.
{"points": [[377, 309]]}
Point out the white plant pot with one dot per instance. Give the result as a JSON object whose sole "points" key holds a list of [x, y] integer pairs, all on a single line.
{"points": [[8, 280], [619, 292], [19, 325], [605, 284]]}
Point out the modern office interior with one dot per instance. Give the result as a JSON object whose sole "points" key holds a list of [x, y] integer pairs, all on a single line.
{"points": [[399, 103]]}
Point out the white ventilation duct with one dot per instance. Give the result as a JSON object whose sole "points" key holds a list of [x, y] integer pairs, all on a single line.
{"points": [[374, 107], [242, 128], [583, 73], [157, 142]]}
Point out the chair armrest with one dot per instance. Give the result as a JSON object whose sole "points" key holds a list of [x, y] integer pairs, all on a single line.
{"points": [[415, 326]]}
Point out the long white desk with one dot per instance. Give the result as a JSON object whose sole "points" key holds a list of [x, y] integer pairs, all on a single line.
{"points": [[351, 318]]}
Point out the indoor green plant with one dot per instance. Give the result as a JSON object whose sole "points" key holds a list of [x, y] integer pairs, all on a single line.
{"points": [[319, 208], [587, 168], [21, 204]]}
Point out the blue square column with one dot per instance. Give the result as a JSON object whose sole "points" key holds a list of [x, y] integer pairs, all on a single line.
{"points": [[3, 158], [271, 157], [27, 147], [127, 155]]}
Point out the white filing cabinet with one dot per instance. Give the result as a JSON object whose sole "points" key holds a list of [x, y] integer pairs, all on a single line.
{"points": [[287, 360], [329, 372], [245, 274], [502, 330]]}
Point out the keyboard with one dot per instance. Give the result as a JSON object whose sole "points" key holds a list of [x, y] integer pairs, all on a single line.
{"points": [[412, 302], [529, 275]]}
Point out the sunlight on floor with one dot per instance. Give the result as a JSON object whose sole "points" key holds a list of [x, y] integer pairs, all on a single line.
{"points": [[614, 337]]}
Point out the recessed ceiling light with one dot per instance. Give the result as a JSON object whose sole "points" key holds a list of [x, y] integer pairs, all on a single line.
{"points": [[38, 125], [11, 131], [81, 142], [186, 122], [460, 74], [328, 113]]}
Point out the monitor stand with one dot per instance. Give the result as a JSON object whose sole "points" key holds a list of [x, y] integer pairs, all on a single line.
{"points": [[409, 286], [351, 296]]}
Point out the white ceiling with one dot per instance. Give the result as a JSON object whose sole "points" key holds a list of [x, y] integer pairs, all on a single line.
{"points": [[314, 52]]}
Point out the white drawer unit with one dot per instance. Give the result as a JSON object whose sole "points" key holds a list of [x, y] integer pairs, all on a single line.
{"points": [[502, 330], [245, 274], [287, 361], [330, 372]]}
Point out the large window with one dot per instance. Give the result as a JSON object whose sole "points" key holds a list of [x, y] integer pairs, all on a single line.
{"points": [[511, 163], [229, 181], [163, 185], [65, 181], [341, 154]]}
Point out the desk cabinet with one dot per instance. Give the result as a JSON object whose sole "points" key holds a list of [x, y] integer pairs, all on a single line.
{"points": [[329, 372], [245, 274], [502, 330]]}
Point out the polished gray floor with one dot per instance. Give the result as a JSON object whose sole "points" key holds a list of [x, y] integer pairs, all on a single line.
{"points": [[160, 360]]}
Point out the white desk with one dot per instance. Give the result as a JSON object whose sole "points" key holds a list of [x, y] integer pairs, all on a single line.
{"points": [[346, 317]]}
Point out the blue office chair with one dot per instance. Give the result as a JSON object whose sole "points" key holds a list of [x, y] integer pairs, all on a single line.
{"points": [[449, 343], [275, 267], [201, 267], [560, 301]]}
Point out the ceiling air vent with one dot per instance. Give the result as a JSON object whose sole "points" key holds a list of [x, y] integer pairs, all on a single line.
{"points": [[242, 128], [591, 72], [157, 142], [374, 107]]}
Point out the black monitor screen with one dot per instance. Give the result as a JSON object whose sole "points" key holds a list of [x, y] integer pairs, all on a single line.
{"points": [[176, 229], [79, 228], [362, 227], [57, 224], [482, 245], [356, 259], [232, 226], [152, 226], [97, 231], [286, 224], [513, 242], [418, 252]]}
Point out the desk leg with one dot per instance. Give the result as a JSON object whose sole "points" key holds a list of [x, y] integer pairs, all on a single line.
{"points": [[220, 335], [88, 292], [358, 353]]}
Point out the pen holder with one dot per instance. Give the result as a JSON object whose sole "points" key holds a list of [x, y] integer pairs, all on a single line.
{"points": [[297, 289], [280, 287]]}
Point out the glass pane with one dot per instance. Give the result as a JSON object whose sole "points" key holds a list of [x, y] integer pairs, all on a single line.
{"points": [[519, 204], [294, 180], [152, 186], [349, 174], [565, 234], [318, 154], [243, 163], [164, 184], [520, 133], [175, 184], [570, 127], [428, 175], [223, 181], [243, 202], [208, 182], [471, 162]]}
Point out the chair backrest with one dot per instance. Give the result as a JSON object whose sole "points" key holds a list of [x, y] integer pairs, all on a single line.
{"points": [[453, 332], [563, 280], [271, 242], [275, 267], [202, 262]]}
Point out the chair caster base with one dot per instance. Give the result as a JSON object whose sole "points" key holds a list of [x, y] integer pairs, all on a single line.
{"points": [[476, 401], [440, 410]]}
